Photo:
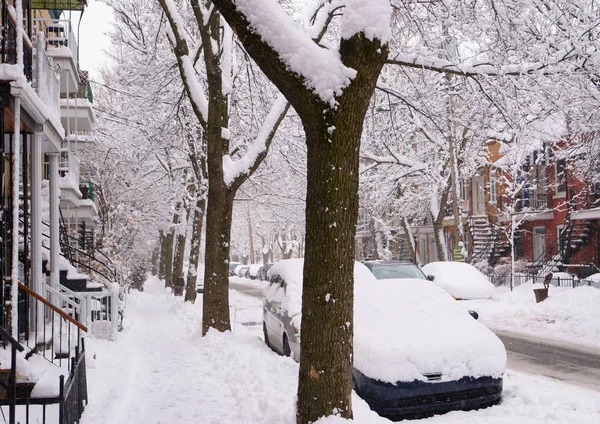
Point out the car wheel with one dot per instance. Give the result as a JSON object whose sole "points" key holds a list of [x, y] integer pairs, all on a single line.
{"points": [[286, 346], [355, 386], [266, 335]]}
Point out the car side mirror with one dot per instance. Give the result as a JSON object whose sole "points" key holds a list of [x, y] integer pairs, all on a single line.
{"points": [[431, 277], [474, 314]]}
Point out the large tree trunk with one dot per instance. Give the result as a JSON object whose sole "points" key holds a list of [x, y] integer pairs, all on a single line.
{"points": [[438, 225], [326, 361], [410, 240], [178, 280], [181, 232], [333, 134], [169, 242], [190, 289], [215, 306], [155, 260], [162, 241]]}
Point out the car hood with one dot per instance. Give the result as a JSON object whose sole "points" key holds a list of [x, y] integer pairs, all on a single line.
{"points": [[406, 329]]}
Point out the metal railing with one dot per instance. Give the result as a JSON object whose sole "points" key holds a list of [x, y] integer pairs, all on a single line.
{"points": [[71, 397], [10, 386], [58, 34], [558, 281], [9, 42], [45, 80], [52, 333]]}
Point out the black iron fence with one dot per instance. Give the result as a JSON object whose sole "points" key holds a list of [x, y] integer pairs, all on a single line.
{"points": [[51, 332], [9, 43], [64, 408], [560, 280], [10, 385]]}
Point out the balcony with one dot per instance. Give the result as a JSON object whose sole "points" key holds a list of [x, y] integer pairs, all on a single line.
{"points": [[9, 42], [77, 113], [70, 194], [61, 47], [533, 200]]}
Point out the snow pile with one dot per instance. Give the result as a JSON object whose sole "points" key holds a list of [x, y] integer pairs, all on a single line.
{"points": [[461, 280], [569, 314], [161, 371]]}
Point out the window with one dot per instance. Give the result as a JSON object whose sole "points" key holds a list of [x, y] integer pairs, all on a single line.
{"points": [[493, 186]]}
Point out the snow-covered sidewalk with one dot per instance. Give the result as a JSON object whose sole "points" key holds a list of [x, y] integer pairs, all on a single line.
{"points": [[160, 370]]}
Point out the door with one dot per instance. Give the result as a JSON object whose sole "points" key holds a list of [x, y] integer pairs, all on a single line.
{"points": [[539, 242], [478, 195]]}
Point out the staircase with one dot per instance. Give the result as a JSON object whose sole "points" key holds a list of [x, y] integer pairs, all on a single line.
{"points": [[480, 230], [500, 245], [574, 236], [52, 344], [404, 252], [489, 242]]}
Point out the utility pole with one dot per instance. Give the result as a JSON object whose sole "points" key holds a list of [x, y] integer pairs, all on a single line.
{"points": [[250, 241], [452, 53]]}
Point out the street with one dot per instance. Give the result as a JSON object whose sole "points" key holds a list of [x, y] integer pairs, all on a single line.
{"points": [[562, 361], [565, 362]]}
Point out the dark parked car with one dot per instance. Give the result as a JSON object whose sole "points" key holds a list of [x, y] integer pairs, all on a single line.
{"points": [[417, 352]]}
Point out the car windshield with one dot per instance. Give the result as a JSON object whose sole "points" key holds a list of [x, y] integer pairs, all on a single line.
{"points": [[383, 271]]}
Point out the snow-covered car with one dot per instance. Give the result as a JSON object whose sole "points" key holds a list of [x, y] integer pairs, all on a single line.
{"points": [[240, 270], [383, 270], [252, 271], [232, 267], [461, 280], [417, 352]]}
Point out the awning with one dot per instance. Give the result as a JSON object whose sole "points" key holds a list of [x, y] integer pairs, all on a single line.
{"points": [[58, 4]]}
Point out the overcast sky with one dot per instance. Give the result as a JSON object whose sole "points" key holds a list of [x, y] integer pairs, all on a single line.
{"points": [[92, 36]]}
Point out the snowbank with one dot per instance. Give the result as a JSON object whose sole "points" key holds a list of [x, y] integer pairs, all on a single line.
{"points": [[569, 314]]}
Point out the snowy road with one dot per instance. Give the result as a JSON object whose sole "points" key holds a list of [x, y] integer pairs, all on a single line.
{"points": [[561, 361]]}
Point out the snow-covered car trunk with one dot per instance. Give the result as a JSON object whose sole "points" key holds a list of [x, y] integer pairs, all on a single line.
{"points": [[461, 280]]}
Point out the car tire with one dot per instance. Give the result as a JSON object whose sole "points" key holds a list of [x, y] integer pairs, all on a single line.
{"points": [[355, 386], [286, 346], [266, 335]]}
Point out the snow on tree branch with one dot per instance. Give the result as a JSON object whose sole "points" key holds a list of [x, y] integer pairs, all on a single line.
{"points": [[180, 46], [437, 64], [244, 166], [323, 71]]}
